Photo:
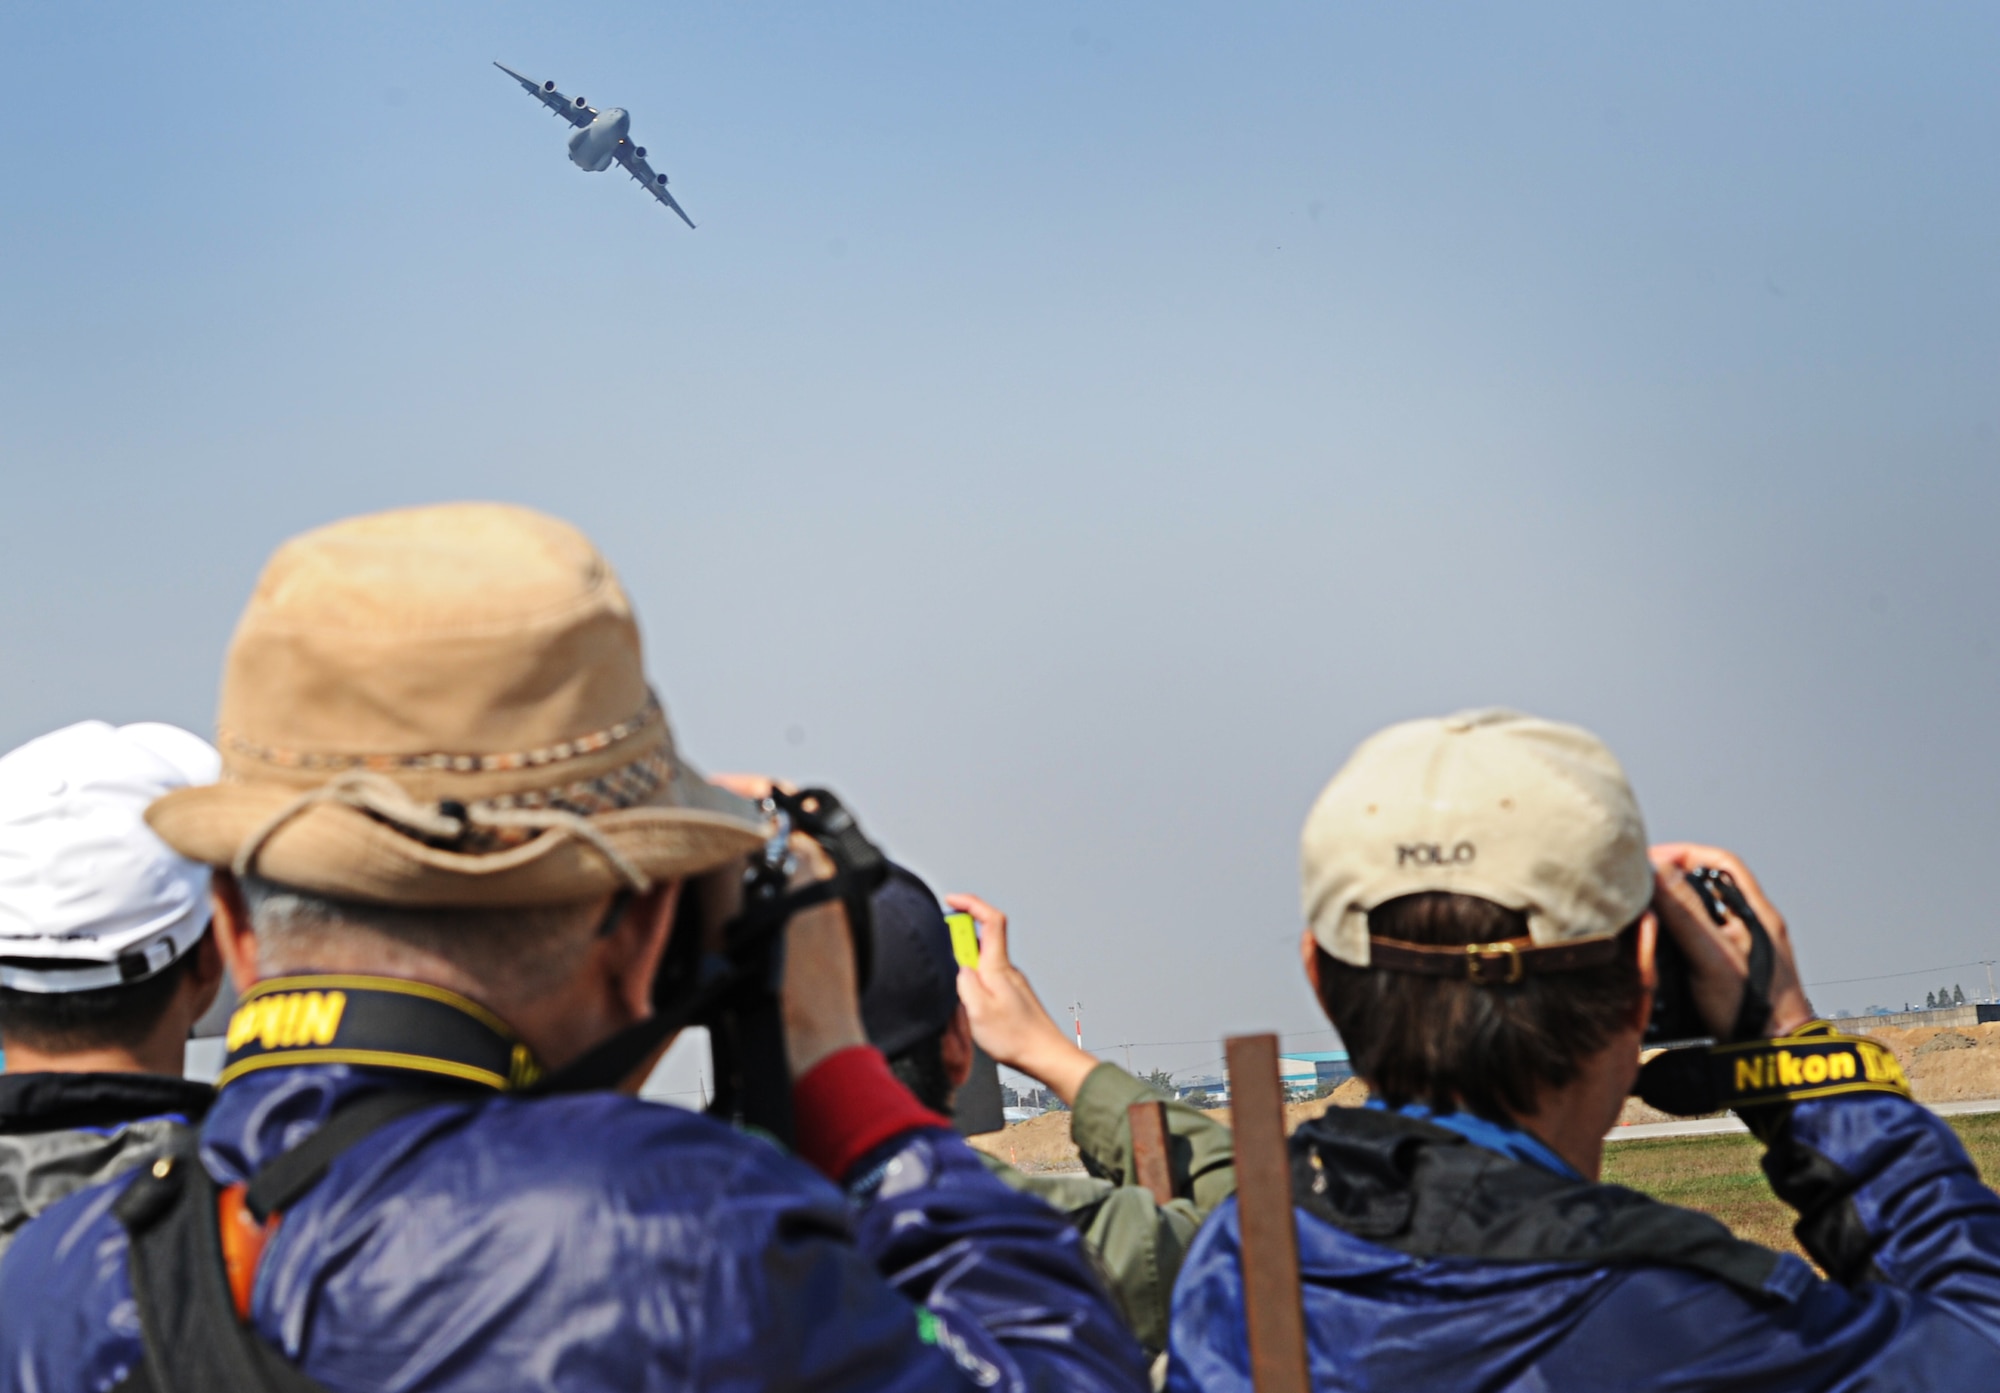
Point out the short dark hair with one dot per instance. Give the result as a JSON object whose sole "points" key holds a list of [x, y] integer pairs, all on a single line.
{"points": [[1454, 1044], [921, 1069], [118, 1017]]}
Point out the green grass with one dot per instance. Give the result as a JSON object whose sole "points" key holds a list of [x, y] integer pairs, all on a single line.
{"points": [[1720, 1176]]}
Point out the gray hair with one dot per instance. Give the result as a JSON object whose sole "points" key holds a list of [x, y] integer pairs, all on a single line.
{"points": [[509, 953]]}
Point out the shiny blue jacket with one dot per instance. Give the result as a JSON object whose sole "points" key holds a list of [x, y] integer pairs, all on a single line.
{"points": [[595, 1242], [1924, 1315]]}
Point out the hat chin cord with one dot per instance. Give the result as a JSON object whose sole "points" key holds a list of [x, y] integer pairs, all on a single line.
{"points": [[386, 799]]}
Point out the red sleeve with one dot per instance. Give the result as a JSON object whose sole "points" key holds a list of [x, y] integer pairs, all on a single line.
{"points": [[849, 1104]]}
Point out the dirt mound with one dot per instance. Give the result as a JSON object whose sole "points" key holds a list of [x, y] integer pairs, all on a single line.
{"points": [[1947, 1064], [1039, 1144], [1947, 1040]]}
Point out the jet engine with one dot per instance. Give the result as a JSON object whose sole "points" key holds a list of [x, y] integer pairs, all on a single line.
{"points": [[640, 151], [549, 86]]}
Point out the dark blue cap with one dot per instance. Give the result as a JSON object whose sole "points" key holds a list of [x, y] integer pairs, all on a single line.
{"points": [[913, 986]]}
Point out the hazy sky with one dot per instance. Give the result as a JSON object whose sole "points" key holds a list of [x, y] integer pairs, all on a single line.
{"points": [[1074, 426]]}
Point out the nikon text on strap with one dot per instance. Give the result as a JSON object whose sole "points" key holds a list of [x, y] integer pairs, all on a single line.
{"points": [[376, 1023], [1815, 1061]]}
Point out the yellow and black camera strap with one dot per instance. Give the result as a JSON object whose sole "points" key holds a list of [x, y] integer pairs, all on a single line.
{"points": [[375, 1023], [1815, 1061], [197, 1245]]}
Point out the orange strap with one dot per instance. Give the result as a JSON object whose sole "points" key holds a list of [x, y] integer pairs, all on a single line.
{"points": [[243, 1240]]}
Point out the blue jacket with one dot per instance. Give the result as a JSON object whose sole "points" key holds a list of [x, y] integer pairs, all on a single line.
{"points": [[1925, 1314], [595, 1242]]}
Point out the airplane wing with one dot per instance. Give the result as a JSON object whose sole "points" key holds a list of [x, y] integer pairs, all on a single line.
{"points": [[571, 109], [656, 184]]}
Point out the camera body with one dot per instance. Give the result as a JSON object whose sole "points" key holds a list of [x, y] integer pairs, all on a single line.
{"points": [[724, 964], [1675, 1020]]}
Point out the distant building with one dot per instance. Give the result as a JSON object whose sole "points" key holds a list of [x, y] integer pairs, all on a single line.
{"points": [[1033, 1099], [1206, 1085], [1309, 1072], [1302, 1074]]}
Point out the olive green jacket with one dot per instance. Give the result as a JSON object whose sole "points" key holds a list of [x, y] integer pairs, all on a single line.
{"points": [[1137, 1243]]}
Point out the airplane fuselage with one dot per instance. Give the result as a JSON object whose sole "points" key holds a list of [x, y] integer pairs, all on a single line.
{"points": [[592, 146]]}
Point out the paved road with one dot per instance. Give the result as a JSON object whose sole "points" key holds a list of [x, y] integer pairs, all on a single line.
{"points": [[1718, 1126]]}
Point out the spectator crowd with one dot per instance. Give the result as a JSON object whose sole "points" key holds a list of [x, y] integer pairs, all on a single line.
{"points": [[465, 891]]}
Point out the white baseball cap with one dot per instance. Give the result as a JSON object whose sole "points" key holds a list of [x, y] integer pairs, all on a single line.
{"points": [[89, 896], [1533, 815]]}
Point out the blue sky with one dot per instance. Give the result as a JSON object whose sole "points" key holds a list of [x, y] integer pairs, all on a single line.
{"points": [[1074, 426]]}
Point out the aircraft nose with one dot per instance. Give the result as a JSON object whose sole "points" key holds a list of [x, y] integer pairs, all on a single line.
{"points": [[620, 121]]}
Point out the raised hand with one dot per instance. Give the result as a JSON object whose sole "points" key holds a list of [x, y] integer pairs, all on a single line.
{"points": [[1008, 1020]]}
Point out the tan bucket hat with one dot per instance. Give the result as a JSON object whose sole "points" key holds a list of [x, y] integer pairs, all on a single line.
{"points": [[447, 706], [1533, 815]]}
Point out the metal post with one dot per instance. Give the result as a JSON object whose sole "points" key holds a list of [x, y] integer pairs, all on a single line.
{"points": [[1273, 1309], [1151, 1166]]}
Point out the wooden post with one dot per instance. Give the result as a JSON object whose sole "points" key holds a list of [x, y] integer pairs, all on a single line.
{"points": [[1151, 1166], [1272, 1307]]}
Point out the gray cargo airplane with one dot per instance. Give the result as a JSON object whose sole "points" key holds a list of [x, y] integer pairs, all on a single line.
{"points": [[599, 138]]}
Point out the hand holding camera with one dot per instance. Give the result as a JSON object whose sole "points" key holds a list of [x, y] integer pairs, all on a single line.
{"points": [[1703, 896]]}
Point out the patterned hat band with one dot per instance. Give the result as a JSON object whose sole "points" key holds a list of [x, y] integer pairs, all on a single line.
{"points": [[560, 752], [627, 786], [487, 826], [483, 826]]}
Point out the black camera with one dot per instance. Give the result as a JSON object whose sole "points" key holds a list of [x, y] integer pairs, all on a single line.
{"points": [[1676, 1021], [724, 964]]}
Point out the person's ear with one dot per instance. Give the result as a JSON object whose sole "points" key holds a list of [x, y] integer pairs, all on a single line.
{"points": [[1309, 955], [231, 930], [955, 1047], [1649, 964], [636, 944]]}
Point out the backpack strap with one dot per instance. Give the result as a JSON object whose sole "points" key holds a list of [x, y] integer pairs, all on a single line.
{"points": [[192, 1300]]}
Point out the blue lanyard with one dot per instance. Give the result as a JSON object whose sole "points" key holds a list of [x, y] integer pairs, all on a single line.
{"points": [[1494, 1136]]}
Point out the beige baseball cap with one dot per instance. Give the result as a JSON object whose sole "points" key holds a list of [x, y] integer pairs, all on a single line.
{"points": [[1534, 815]]}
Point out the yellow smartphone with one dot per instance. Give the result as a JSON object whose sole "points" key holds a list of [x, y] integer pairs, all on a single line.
{"points": [[964, 937]]}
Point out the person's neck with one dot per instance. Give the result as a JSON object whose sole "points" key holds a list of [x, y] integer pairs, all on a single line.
{"points": [[152, 1057], [1572, 1120], [1578, 1139], [559, 1025]]}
